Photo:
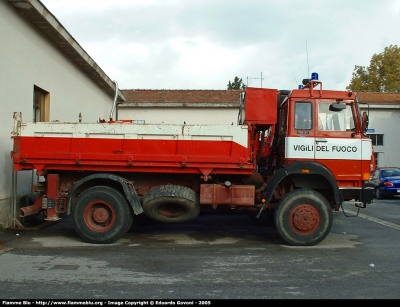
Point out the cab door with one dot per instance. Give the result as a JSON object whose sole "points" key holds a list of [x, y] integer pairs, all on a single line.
{"points": [[299, 139], [337, 146]]}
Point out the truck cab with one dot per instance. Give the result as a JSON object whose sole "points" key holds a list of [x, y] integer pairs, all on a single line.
{"points": [[322, 133]]}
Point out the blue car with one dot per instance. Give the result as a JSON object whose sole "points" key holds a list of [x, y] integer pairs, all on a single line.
{"points": [[386, 182]]}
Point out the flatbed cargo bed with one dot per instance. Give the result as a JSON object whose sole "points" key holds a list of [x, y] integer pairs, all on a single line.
{"points": [[124, 146]]}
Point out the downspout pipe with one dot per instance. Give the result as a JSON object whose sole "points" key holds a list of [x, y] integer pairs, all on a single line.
{"points": [[115, 101]]}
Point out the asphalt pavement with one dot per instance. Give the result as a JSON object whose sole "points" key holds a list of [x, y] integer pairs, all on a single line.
{"points": [[214, 257]]}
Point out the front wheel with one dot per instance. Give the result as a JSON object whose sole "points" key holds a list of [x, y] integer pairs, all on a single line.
{"points": [[303, 217], [101, 215]]}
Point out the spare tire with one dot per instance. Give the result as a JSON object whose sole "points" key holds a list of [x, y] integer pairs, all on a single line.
{"points": [[171, 204]]}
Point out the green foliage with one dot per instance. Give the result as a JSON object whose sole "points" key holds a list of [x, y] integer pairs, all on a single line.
{"points": [[382, 75], [237, 84]]}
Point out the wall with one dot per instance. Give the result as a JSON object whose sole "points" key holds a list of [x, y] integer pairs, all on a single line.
{"points": [[179, 115], [28, 59], [385, 120]]}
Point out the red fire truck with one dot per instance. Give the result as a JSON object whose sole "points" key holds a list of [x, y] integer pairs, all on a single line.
{"points": [[293, 155]]}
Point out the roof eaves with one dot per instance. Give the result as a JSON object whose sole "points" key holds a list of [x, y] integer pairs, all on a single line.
{"points": [[46, 23]]}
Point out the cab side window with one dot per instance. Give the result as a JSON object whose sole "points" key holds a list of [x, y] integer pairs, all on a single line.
{"points": [[303, 115]]}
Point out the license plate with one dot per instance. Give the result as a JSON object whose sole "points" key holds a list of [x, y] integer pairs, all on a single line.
{"points": [[398, 190]]}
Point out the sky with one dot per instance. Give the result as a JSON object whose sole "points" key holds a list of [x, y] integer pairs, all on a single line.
{"points": [[204, 44]]}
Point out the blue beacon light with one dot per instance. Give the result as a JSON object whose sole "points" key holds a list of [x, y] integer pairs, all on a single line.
{"points": [[314, 76]]}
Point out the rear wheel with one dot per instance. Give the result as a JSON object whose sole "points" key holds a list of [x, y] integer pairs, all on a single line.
{"points": [[171, 204], [101, 215], [303, 217]]}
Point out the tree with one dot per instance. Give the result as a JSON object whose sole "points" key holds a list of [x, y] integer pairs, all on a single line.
{"points": [[237, 84], [382, 75]]}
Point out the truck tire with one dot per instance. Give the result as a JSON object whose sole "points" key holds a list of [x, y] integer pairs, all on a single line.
{"points": [[101, 215], [303, 217], [171, 204]]}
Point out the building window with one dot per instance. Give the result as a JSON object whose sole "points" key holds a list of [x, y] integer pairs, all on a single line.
{"points": [[377, 139], [41, 105]]}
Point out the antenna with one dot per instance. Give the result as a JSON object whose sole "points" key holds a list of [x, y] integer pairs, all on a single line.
{"points": [[255, 78], [308, 67], [295, 79]]}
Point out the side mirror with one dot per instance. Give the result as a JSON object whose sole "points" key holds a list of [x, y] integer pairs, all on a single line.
{"points": [[365, 121], [336, 107]]}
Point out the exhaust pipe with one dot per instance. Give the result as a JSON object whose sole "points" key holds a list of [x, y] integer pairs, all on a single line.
{"points": [[33, 209]]}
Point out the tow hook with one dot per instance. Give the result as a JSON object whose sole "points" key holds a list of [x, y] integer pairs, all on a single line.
{"points": [[358, 205]]}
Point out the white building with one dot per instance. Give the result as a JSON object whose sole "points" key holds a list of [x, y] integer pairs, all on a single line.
{"points": [[181, 106], [384, 125], [47, 76]]}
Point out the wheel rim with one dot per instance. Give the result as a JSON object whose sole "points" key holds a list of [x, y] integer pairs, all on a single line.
{"points": [[304, 219], [99, 216]]}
